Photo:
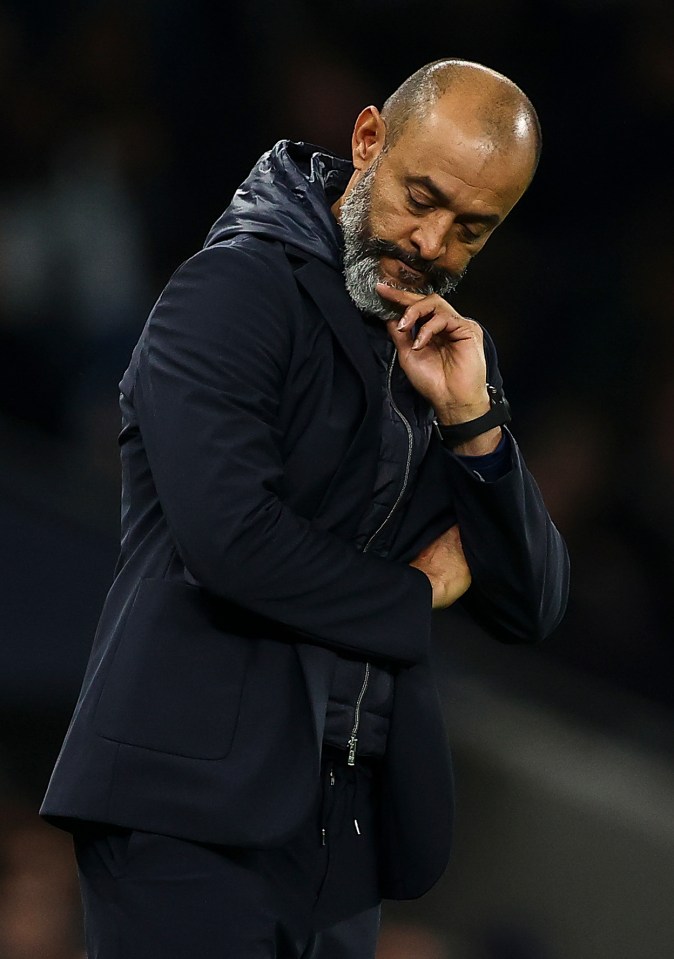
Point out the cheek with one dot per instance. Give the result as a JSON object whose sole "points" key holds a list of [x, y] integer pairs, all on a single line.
{"points": [[456, 258], [472, 251], [388, 220]]}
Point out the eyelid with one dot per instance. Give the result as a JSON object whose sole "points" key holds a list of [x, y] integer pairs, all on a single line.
{"points": [[473, 237], [421, 204]]}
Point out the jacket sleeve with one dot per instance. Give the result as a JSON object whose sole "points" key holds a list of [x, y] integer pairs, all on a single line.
{"points": [[517, 557], [210, 374]]}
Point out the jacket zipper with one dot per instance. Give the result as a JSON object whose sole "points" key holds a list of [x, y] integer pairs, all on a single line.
{"points": [[353, 741], [410, 443]]}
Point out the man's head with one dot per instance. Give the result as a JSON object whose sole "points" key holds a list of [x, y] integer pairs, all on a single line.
{"points": [[452, 151]]}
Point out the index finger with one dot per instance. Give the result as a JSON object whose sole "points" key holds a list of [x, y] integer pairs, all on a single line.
{"points": [[406, 297]]}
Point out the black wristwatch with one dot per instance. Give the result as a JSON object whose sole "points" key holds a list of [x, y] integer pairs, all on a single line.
{"points": [[498, 415]]}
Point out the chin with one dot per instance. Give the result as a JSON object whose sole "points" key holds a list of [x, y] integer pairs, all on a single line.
{"points": [[362, 276]]}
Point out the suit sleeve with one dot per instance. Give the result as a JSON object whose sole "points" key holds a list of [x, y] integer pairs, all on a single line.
{"points": [[517, 557], [210, 375]]}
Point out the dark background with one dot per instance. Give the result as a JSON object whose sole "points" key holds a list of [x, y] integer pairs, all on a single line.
{"points": [[127, 126]]}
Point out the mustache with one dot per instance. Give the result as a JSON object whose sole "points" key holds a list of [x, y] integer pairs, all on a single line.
{"points": [[435, 276]]}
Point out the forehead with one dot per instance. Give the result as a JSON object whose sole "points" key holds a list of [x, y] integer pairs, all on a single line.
{"points": [[453, 149]]}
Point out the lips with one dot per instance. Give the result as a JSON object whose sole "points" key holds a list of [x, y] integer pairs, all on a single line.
{"points": [[409, 270], [408, 276]]}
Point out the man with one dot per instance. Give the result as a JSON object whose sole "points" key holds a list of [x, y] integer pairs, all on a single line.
{"points": [[257, 755]]}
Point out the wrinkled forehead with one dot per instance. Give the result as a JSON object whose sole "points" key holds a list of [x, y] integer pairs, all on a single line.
{"points": [[457, 141]]}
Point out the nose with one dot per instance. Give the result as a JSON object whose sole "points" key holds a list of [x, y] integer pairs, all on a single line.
{"points": [[430, 238]]}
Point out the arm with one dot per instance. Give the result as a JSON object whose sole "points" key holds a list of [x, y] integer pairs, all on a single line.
{"points": [[210, 376], [506, 527], [517, 559]]}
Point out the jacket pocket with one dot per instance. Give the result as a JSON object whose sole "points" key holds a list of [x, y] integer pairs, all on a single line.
{"points": [[176, 678]]}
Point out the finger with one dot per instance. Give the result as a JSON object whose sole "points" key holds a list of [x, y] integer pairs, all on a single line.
{"points": [[429, 305], [436, 324], [405, 339], [402, 297], [417, 305], [465, 330], [402, 339], [439, 325]]}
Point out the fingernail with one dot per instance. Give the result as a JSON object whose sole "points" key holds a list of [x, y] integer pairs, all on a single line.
{"points": [[417, 343], [401, 325]]}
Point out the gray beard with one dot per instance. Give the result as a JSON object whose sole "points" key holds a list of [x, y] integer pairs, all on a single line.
{"points": [[362, 256]]}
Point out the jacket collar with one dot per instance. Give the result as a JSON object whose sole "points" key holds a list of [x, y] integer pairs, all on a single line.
{"points": [[326, 288], [354, 480]]}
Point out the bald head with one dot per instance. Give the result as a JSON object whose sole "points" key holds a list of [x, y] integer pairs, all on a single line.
{"points": [[504, 113]]}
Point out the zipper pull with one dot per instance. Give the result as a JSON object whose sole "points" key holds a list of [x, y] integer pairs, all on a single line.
{"points": [[332, 777], [351, 761]]}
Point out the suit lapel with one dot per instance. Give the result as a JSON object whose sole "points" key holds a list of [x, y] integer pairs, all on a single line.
{"points": [[353, 482], [326, 288]]}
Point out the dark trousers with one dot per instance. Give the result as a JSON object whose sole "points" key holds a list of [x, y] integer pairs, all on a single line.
{"points": [[316, 897]]}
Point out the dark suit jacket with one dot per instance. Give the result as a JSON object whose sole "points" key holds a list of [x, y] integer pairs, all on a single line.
{"points": [[251, 414]]}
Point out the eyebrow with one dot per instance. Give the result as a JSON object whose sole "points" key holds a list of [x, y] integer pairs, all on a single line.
{"points": [[489, 219]]}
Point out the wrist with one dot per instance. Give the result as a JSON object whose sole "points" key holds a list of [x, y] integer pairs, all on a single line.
{"points": [[476, 435], [449, 414], [480, 445]]}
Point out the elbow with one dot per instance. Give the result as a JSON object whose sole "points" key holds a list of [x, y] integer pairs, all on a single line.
{"points": [[543, 606], [540, 624], [524, 610], [524, 626]]}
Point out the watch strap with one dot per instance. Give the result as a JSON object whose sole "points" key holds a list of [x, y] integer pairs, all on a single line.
{"points": [[498, 415]]}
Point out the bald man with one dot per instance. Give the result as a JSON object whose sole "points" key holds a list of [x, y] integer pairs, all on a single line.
{"points": [[314, 457]]}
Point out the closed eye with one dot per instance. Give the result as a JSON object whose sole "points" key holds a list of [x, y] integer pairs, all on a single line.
{"points": [[418, 204], [471, 236]]}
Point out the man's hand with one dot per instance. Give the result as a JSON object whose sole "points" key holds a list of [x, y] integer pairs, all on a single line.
{"points": [[445, 362], [445, 565]]}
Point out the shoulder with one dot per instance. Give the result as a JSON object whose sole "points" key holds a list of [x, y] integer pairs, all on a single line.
{"points": [[242, 284], [243, 259]]}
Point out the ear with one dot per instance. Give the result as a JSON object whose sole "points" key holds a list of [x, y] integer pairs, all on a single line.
{"points": [[368, 138]]}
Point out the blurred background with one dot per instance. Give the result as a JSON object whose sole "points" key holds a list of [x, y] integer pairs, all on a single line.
{"points": [[128, 125]]}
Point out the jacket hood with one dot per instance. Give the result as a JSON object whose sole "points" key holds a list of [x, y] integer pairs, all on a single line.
{"points": [[287, 197]]}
